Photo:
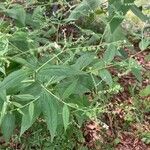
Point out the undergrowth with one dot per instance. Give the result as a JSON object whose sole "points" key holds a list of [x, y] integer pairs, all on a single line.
{"points": [[61, 66]]}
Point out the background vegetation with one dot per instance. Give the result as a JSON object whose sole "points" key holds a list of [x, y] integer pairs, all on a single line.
{"points": [[80, 69]]}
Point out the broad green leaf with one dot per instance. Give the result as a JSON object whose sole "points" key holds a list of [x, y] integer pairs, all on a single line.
{"points": [[78, 101], [137, 73], [81, 89], [139, 13], [106, 76], [23, 97], [93, 4], [31, 110], [20, 41], [2, 6], [13, 79], [84, 84], [66, 115], [115, 16], [123, 53], [117, 11], [83, 9], [26, 122], [33, 90], [8, 126], [145, 91], [59, 71], [37, 13], [135, 68], [70, 89], [18, 13], [83, 61], [94, 38], [37, 16], [117, 35], [116, 21], [31, 62], [50, 112], [144, 44], [109, 53], [98, 66]]}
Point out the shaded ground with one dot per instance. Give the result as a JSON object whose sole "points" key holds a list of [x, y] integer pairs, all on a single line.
{"points": [[124, 131]]}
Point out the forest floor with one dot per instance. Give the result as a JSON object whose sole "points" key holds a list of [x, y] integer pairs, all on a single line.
{"points": [[127, 119]]}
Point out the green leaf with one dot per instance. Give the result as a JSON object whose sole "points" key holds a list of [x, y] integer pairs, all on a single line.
{"points": [[84, 61], [98, 66], [37, 17], [70, 89], [123, 53], [59, 71], [23, 97], [20, 41], [145, 92], [13, 79], [83, 9], [66, 115], [117, 35], [81, 89], [26, 122], [139, 13], [83, 85], [109, 53], [8, 126], [33, 90], [117, 10], [30, 62], [50, 112], [116, 21], [18, 13], [31, 110], [137, 73], [2, 6], [144, 44], [106, 76]]}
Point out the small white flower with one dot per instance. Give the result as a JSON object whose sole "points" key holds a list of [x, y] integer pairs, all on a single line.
{"points": [[105, 126]]}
